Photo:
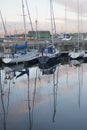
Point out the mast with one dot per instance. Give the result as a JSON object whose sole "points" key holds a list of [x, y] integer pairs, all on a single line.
{"points": [[53, 26], [24, 18], [65, 17], [29, 15], [3, 24], [36, 29], [82, 25], [37, 33], [78, 21]]}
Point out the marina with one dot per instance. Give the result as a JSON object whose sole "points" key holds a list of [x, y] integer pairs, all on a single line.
{"points": [[43, 65]]}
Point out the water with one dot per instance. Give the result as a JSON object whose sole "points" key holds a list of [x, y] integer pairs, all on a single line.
{"points": [[54, 98]]}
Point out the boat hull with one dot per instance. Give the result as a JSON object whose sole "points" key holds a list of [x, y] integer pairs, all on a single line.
{"points": [[76, 55], [48, 59], [49, 54], [20, 58]]}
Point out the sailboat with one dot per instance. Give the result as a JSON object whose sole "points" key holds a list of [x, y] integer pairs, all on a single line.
{"points": [[20, 57], [77, 53], [50, 53], [25, 55]]}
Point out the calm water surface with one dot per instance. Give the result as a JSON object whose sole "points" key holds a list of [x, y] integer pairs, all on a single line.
{"points": [[40, 99]]}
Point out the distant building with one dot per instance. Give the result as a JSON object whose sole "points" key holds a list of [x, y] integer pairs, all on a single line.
{"points": [[40, 35]]}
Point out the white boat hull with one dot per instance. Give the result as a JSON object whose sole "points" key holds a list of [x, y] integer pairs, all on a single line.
{"points": [[21, 58], [76, 55]]}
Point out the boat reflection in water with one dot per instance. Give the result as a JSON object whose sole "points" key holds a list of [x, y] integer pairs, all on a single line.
{"points": [[11, 74], [46, 69], [5, 90], [39, 98], [7, 76], [49, 68], [55, 91], [78, 64], [7, 80], [52, 69], [5, 106], [31, 102]]}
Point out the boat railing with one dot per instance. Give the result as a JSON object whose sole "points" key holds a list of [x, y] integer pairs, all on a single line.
{"points": [[7, 55]]}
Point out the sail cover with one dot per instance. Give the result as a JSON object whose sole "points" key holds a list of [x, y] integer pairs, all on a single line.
{"points": [[25, 46]]}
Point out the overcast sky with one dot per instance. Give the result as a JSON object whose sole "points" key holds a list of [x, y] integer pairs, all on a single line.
{"points": [[40, 10]]}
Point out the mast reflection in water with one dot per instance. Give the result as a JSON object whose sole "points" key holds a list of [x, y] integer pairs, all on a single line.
{"points": [[42, 97]]}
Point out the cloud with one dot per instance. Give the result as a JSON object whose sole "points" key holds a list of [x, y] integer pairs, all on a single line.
{"points": [[72, 5]]}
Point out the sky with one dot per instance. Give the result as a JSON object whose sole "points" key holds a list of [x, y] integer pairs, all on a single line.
{"points": [[65, 12]]}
